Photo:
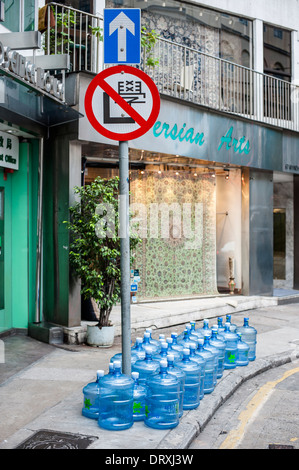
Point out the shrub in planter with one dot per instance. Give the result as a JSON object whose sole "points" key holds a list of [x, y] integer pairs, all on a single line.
{"points": [[95, 244]]}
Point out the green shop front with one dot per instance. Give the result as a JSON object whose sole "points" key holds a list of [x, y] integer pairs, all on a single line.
{"points": [[31, 113]]}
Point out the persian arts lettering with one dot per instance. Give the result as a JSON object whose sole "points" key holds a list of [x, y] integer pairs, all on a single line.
{"points": [[198, 138], [238, 145], [188, 135]]}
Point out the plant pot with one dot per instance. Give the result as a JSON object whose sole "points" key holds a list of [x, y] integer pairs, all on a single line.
{"points": [[100, 337]]}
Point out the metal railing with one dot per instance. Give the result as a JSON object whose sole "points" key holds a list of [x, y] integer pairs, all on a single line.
{"points": [[182, 72], [74, 32]]}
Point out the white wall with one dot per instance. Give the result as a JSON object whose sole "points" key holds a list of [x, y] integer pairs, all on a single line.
{"points": [[284, 13], [228, 227]]}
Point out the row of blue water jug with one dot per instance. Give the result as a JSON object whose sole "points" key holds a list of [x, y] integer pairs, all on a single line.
{"points": [[168, 375]]}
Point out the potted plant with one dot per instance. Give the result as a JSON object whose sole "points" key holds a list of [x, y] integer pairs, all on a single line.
{"points": [[95, 252]]}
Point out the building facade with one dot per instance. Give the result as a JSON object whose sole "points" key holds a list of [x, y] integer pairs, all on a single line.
{"points": [[221, 163]]}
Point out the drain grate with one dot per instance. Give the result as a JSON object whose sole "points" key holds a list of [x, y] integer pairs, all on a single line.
{"points": [[280, 446], [45, 439]]}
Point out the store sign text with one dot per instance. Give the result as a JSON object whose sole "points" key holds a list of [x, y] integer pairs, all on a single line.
{"points": [[190, 135], [9, 151], [19, 65]]}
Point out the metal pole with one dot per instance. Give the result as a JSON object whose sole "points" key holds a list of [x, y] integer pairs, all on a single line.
{"points": [[125, 256], [39, 233]]}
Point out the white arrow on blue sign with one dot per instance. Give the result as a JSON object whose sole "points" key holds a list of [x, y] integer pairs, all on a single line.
{"points": [[122, 36]]}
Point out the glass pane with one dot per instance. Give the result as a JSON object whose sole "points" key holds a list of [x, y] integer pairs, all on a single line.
{"points": [[279, 244], [12, 15], [29, 15]]}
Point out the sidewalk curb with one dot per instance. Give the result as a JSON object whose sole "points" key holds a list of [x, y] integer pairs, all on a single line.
{"points": [[193, 422]]}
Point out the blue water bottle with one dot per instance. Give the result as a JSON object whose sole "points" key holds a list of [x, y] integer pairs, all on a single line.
{"points": [[207, 345], [150, 345], [200, 360], [187, 340], [192, 381], [175, 344], [249, 336], [118, 357], [195, 331], [178, 355], [116, 400], [220, 325], [138, 348], [210, 366], [205, 328], [220, 345], [242, 352], [156, 342], [230, 347], [91, 393], [139, 398], [146, 367], [233, 327], [181, 376], [162, 400], [163, 353]]}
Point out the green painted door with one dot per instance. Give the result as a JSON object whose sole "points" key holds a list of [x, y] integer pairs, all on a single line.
{"points": [[5, 253]]}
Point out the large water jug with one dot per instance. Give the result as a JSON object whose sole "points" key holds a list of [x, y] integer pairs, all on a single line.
{"points": [[156, 342], [192, 381], [220, 345], [162, 400], [205, 328], [146, 367], [116, 400], [249, 335], [139, 398], [181, 376], [220, 325], [207, 345], [210, 366], [230, 347], [163, 353], [242, 352], [178, 355], [118, 357], [150, 345], [138, 348], [187, 340], [200, 360], [175, 344], [91, 397], [195, 331], [233, 327]]}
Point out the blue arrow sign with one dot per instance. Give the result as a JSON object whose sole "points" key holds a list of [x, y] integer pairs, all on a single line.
{"points": [[122, 36]]}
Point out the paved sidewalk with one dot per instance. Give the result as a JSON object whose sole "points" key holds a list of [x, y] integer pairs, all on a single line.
{"points": [[41, 384]]}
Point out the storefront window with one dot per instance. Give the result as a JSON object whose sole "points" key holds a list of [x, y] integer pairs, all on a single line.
{"points": [[29, 15], [277, 52], [206, 30]]}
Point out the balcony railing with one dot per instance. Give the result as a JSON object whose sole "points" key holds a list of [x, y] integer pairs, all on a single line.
{"points": [[182, 72]]}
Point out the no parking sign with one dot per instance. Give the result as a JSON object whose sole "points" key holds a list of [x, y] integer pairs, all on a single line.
{"points": [[122, 103]]}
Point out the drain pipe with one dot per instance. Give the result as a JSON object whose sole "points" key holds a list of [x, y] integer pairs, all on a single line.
{"points": [[39, 232]]}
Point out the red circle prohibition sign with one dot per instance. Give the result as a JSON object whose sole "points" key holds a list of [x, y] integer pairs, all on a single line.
{"points": [[144, 124]]}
